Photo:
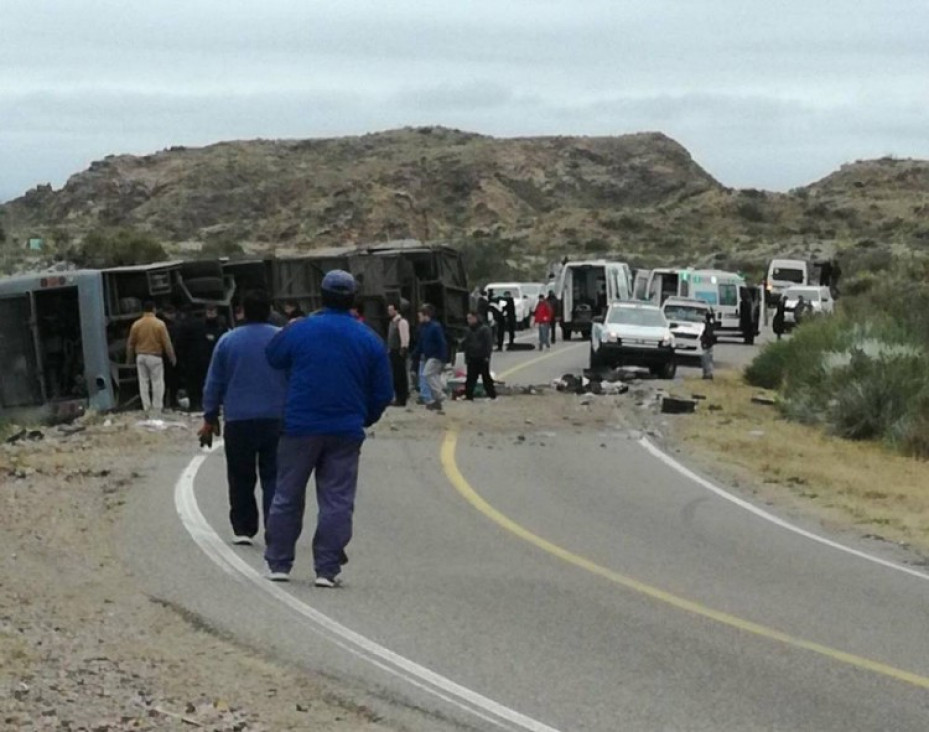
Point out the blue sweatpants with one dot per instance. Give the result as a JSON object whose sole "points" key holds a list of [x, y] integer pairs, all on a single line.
{"points": [[335, 460]]}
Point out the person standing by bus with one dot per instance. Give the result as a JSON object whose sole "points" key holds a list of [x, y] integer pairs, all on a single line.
{"points": [[398, 345], [148, 343]]}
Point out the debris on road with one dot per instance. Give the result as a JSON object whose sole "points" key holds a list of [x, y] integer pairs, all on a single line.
{"points": [[673, 405]]}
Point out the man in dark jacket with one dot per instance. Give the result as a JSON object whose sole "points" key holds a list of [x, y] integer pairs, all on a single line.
{"points": [[707, 341], [495, 310], [553, 304], [477, 347], [432, 351], [509, 315], [339, 383], [747, 316]]}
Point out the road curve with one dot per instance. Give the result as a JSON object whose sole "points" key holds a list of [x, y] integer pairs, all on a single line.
{"points": [[572, 582]]}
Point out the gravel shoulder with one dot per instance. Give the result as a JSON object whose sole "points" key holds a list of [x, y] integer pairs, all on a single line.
{"points": [[83, 646]]}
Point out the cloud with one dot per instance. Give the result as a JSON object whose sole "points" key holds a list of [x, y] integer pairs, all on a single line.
{"points": [[765, 95]]}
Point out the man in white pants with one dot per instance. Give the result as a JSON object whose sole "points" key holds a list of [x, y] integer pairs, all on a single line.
{"points": [[149, 343]]}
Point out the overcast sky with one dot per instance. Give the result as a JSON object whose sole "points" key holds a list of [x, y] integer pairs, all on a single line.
{"points": [[772, 94]]}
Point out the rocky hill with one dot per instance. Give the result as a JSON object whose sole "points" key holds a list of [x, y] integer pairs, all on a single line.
{"points": [[640, 194]]}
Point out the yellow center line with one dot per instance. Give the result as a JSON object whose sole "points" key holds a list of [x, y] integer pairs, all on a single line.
{"points": [[464, 488], [537, 359]]}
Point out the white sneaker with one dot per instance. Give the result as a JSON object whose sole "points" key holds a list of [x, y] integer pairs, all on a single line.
{"points": [[327, 582], [279, 576], [242, 540]]}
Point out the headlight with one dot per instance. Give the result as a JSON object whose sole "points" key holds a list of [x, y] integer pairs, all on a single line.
{"points": [[665, 342], [611, 337]]}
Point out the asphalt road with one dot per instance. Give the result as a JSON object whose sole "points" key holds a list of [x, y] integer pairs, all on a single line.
{"points": [[580, 585]]}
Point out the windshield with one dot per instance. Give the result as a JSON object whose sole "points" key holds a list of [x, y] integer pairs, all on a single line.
{"points": [[637, 316], [687, 313], [809, 293], [787, 275]]}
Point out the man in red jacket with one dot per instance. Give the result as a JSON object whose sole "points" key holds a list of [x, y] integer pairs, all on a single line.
{"points": [[544, 318]]}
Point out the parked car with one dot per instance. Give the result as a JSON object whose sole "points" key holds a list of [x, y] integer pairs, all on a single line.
{"points": [[818, 298], [634, 334], [687, 319]]}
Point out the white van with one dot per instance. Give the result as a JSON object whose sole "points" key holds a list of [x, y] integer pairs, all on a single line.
{"points": [[663, 283], [784, 273], [586, 289]]}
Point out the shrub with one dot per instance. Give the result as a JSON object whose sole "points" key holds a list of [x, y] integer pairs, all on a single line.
{"points": [[768, 368]]}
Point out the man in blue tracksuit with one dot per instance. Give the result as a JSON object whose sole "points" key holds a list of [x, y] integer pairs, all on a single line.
{"points": [[251, 395], [432, 351], [339, 383]]}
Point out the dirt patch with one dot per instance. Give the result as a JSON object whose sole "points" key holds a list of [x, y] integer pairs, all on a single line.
{"points": [[845, 484], [83, 647]]}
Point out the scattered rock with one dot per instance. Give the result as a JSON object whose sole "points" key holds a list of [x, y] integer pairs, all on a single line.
{"points": [[764, 399]]}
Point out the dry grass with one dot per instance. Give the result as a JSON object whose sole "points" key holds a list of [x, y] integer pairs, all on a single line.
{"points": [[847, 483]]}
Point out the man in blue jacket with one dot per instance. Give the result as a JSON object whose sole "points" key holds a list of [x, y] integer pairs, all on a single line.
{"points": [[433, 353], [339, 383], [251, 395]]}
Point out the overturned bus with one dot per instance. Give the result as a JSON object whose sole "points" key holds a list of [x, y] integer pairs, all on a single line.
{"points": [[407, 273], [63, 334]]}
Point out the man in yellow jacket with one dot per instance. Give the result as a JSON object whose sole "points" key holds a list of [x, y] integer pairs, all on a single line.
{"points": [[149, 343]]}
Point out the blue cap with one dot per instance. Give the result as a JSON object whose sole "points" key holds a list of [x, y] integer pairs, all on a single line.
{"points": [[338, 280]]}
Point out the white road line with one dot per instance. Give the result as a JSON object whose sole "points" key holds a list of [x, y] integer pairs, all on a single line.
{"points": [[185, 501], [761, 513]]}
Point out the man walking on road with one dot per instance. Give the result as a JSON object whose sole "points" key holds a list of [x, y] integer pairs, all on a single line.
{"points": [[339, 383], [398, 345], [148, 342], [478, 345], [251, 394], [433, 351]]}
